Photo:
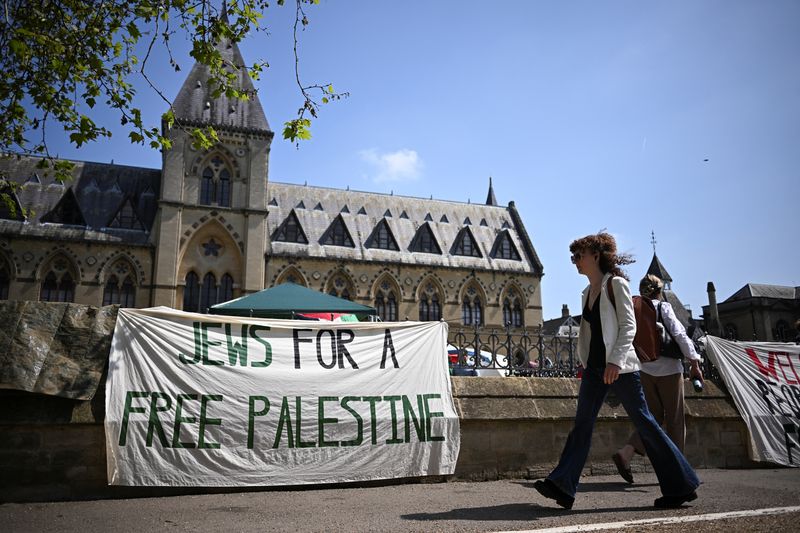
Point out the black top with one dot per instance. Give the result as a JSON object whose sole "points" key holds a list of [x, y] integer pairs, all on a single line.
{"points": [[597, 349]]}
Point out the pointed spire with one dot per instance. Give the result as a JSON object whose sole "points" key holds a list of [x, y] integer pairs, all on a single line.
{"points": [[657, 269], [490, 198], [195, 104]]}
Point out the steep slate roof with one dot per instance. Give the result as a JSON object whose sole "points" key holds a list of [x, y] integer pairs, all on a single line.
{"points": [[658, 270], [195, 106], [681, 312], [100, 190], [361, 226], [757, 290]]}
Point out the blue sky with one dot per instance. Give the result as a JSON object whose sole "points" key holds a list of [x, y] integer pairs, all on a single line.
{"points": [[587, 114]]}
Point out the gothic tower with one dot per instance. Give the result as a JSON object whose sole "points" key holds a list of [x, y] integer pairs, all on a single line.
{"points": [[210, 232]]}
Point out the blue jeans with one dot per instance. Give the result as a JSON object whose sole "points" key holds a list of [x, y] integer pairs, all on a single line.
{"points": [[675, 476]]}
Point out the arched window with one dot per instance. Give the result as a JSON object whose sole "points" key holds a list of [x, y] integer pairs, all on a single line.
{"points": [[466, 311], [207, 187], [215, 183], [191, 292], [340, 286], [49, 290], [429, 308], [226, 288], [124, 296], [516, 315], [386, 303], [127, 296], [208, 292], [55, 289], [472, 308], [224, 188], [4, 283], [513, 311], [111, 291]]}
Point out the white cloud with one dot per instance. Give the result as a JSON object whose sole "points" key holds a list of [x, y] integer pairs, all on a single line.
{"points": [[400, 165]]}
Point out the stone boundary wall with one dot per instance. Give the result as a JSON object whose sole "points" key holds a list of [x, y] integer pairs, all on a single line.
{"points": [[516, 427], [53, 448]]}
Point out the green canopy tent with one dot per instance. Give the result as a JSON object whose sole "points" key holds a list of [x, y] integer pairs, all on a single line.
{"points": [[288, 300]]}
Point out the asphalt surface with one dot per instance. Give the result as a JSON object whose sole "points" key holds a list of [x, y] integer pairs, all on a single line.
{"points": [[507, 505]]}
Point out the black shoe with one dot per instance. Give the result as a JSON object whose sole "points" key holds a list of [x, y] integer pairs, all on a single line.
{"points": [[548, 489], [623, 469], [673, 502]]}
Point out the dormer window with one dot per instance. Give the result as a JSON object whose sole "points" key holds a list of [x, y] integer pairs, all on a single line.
{"points": [[337, 234], [465, 244], [291, 231], [382, 237], [424, 241], [504, 248]]}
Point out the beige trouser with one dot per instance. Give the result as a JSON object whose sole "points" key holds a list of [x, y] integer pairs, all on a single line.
{"points": [[664, 395]]}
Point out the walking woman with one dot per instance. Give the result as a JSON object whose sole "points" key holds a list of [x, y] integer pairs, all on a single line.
{"points": [[662, 380], [605, 348]]}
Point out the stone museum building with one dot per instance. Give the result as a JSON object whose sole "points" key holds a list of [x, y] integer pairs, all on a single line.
{"points": [[209, 226]]}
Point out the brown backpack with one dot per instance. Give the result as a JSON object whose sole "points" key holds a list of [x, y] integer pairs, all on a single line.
{"points": [[647, 342]]}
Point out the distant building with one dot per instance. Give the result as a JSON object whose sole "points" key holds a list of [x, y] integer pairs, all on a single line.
{"points": [[209, 226], [564, 326], [755, 312]]}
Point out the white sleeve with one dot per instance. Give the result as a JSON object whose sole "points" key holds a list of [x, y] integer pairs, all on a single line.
{"points": [[678, 333]]}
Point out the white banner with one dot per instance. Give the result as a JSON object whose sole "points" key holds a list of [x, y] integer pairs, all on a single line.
{"points": [[764, 380], [210, 400]]}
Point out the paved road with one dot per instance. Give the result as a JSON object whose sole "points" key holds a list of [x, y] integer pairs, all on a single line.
{"points": [[509, 505]]}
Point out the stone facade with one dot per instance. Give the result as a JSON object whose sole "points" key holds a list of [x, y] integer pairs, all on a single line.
{"points": [[210, 226]]}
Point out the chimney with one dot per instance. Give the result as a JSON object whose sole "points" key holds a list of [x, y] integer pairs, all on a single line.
{"points": [[564, 311], [714, 327]]}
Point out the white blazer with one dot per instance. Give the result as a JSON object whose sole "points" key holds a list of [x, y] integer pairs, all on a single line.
{"points": [[619, 326]]}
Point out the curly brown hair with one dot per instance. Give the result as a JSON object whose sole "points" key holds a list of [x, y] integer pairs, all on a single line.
{"points": [[603, 244]]}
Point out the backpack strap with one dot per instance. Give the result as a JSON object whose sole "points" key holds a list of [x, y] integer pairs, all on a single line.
{"points": [[660, 318], [610, 291]]}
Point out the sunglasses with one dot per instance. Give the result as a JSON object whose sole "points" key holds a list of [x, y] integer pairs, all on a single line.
{"points": [[576, 257]]}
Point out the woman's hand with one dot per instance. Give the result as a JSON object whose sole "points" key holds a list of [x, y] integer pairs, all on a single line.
{"points": [[611, 374], [695, 371]]}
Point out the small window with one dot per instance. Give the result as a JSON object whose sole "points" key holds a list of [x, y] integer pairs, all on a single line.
{"points": [[513, 311], [191, 293], [465, 244], [226, 288], [471, 311], [340, 287], [425, 242], [291, 231], [208, 292], [429, 307], [66, 211], [126, 217], [215, 183], [504, 248], [382, 238], [57, 289], [386, 303], [337, 234]]}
